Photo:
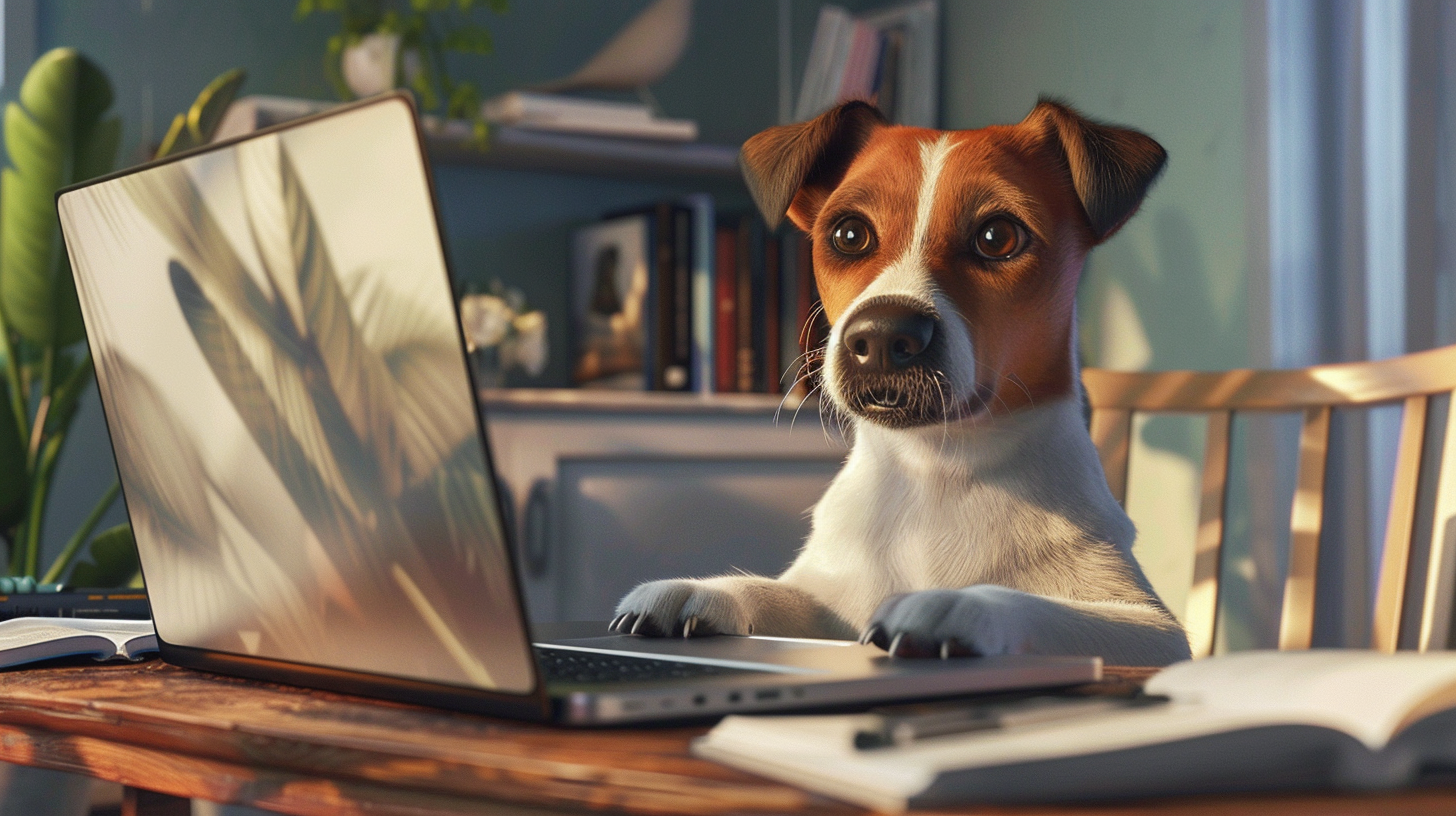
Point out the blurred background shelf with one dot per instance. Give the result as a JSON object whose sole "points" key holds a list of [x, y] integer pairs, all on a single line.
{"points": [[512, 148], [586, 400]]}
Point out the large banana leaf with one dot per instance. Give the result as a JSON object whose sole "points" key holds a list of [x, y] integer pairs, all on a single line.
{"points": [[54, 136]]}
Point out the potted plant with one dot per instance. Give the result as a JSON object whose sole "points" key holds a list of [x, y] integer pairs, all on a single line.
{"points": [[57, 133], [385, 44]]}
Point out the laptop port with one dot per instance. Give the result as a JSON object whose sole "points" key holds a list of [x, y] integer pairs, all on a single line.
{"points": [[768, 694]]}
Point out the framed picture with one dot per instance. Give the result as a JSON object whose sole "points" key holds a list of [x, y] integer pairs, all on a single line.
{"points": [[610, 283]]}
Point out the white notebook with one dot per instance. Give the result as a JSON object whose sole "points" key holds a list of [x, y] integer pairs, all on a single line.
{"points": [[1245, 722]]}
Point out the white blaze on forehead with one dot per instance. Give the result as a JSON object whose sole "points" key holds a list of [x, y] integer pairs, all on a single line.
{"points": [[932, 162]]}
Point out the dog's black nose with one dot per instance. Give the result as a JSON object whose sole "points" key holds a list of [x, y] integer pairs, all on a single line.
{"points": [[887, 336]]}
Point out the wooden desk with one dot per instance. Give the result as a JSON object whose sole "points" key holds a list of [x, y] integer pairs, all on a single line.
{"points": [[190, 734]]}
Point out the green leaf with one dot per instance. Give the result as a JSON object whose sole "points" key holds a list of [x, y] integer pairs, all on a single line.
{"points": [[469, 39], [197, 126], [206, 112], [49, 90], [54, 136], [113, 560], [96, 153]]}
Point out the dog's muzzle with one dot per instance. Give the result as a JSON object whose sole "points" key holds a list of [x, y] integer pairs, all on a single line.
{"points": [[889, 365]]}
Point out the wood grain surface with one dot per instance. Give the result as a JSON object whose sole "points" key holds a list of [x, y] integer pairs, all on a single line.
{"points": [[186, 733]]}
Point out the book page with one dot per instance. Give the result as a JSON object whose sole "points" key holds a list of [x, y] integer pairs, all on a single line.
{"points": [[1366, 694], [19, 632]]}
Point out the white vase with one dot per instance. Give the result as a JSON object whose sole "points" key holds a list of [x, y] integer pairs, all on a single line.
{"points": [[369, 65]]}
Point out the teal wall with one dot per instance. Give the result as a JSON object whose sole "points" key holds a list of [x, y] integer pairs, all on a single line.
{"points": [[1174, 69]]}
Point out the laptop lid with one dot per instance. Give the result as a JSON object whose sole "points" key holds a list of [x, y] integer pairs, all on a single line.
{"points": [[284, 379]]}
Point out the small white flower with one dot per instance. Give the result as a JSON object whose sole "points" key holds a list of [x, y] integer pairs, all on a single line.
{"points": [[486, 319]]}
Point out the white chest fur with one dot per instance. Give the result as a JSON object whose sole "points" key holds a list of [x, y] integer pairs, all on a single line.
{"points": [[1018, 501]]}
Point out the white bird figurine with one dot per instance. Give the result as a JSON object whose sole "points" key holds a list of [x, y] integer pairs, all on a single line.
{"points": [[641, 53]]}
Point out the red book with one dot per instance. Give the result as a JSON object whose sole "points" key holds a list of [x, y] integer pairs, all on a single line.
{"points": [[725, 300], [747, 370]]}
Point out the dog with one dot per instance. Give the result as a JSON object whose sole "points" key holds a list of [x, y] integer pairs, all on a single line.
{"points": [[971, 516]]}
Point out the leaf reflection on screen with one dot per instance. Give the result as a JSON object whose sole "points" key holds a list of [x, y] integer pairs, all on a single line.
{"points": [[353, 397]]}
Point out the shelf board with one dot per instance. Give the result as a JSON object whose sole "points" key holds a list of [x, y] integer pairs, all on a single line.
{"points": [[519, 149], [587, 400]]}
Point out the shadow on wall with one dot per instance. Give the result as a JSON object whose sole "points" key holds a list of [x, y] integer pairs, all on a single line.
{"points": [[1162, 288]]}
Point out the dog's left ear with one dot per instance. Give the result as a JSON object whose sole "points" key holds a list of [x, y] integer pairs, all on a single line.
{"points": [[1112, 167], [793, 168]]}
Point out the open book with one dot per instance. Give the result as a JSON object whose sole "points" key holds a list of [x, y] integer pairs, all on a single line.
{"points": [[1249, 721], [26, 640]]}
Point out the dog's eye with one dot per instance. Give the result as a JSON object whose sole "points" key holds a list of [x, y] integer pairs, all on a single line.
{"points": [[851, 236], [999, 238]]}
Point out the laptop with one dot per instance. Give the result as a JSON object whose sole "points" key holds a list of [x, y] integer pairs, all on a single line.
{"points": [[304, 466]]}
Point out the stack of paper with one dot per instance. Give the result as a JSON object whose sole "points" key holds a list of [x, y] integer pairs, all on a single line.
{"points": [[568, 114]]}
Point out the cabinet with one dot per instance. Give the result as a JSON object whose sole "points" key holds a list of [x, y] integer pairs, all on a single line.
{"points": [[606, 490]]}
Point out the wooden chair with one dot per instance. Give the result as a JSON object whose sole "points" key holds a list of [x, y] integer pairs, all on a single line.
{"points": [[1413, 379]]}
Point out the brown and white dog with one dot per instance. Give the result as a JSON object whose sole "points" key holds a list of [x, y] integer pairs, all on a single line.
{"points": [[971, 516]]}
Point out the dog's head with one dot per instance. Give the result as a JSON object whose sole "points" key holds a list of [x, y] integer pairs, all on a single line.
{"points": [[948, 261]]}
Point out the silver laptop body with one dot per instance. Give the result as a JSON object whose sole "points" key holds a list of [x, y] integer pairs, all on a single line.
{"points": [[277, 350]]}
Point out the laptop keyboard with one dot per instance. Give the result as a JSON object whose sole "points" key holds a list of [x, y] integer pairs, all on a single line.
{"points": [[569, 666]]}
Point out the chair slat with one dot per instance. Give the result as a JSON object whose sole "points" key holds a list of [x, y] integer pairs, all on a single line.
{"points": [[1363, 383], [1306, 516], [1201, 618], [1441, 573], [1112, 434], [1395, 558]]}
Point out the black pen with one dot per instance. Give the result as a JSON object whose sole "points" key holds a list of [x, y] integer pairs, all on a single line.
{"points": [[939, 721]]}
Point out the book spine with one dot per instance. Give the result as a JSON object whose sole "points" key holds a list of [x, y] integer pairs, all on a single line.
{"points": [[664, 297], [789, 271], [703, 308], [725, 302], [839, 60], [772, 363], [677, 374], [758, 281], [744, 299], [817, 66]]}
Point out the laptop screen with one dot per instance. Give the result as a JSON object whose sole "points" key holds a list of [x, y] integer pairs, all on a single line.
{"points": [[277, 353]]}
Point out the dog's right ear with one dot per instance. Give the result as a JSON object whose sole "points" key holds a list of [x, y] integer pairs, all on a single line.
{"points": [[793, 168]]}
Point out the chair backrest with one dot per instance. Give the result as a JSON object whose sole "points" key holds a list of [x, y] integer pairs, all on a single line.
{"points": [[1413, 379]]}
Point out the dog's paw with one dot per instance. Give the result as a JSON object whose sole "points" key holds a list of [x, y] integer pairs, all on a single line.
{"points": [[978, 620], [680, 608]]}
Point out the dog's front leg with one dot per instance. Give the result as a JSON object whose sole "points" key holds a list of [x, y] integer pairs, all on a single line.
{"points": [[994, 620], [730, 605]]}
